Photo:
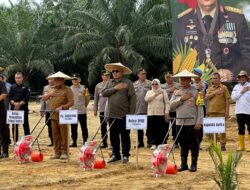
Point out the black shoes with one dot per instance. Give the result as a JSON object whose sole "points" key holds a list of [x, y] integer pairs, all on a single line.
{"points": [[114, 159], [125, 159], [223, 148], [193, 167], [73, 145], [183, 165], [4, 155]]}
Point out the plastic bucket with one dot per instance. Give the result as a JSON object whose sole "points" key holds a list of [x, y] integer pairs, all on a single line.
{"points": [[99, 164], [171, 169], [37, 157]]}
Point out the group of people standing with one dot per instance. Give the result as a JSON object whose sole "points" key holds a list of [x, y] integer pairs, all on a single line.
{"points": [[115, 97]]}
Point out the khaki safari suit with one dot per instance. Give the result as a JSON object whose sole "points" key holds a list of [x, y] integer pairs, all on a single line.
{"points": [[60, 132], [217, 106], [228, 40]]}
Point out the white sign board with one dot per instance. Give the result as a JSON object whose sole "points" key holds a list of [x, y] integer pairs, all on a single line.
{"points": [[15, 117], [68, 117], [136, 121], [214, 125]]}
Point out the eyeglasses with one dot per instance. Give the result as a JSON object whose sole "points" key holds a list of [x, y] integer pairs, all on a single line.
{"points": [[115, 71], [154, 84]]}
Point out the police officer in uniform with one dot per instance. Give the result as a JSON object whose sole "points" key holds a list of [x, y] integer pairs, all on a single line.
{"points": [[219, 33], [142, 85], [184, 101]]}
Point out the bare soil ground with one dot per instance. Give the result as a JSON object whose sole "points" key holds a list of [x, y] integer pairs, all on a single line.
{"points": [[57, 174]]}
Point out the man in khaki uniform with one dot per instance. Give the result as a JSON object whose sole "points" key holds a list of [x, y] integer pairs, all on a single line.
{"points": [[61, 98], [218, 103]]}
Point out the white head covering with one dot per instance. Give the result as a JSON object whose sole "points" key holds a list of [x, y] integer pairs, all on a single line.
{"points": [[158, 86]]}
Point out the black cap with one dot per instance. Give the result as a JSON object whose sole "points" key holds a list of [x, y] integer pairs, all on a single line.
{"points": [[76, 76], [104, 72]]}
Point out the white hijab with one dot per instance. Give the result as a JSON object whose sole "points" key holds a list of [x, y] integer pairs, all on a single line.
{"points": [[158, 89]]}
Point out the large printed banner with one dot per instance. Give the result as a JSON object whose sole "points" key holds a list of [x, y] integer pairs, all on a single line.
{"points": [[213, 35]]}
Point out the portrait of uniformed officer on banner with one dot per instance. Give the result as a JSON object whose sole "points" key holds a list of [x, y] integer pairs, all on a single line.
{"points": [[218, 34]]}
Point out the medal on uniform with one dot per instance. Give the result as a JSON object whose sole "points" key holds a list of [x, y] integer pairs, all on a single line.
{"points": [[226, 51], [208, 52]]}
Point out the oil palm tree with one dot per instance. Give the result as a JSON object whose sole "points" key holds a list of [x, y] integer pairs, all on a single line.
{"points": [[21, 45], [120, 31]]}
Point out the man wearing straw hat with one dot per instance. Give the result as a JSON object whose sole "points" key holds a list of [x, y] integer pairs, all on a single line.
{"points": [[241, 95], [184, 101], [61, 98], [121, 101]]}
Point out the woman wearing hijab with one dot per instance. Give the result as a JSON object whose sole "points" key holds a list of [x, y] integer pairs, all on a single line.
{"points": [[158, 113]]}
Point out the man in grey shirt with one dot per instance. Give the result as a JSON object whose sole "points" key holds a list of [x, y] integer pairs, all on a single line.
{"points": [[121, 101], [99, 105], [142, 85]]}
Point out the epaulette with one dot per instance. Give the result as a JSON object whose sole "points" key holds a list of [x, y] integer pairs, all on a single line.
{"points": [[233, 9], [184, 13]]}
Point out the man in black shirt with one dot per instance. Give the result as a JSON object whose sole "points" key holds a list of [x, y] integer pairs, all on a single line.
{"points": [[4, 135], [19, 98]]}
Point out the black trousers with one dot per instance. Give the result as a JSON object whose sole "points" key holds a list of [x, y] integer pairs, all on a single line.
{"points": [[82, 118], [26, 126], [242, 120], [4, 134], [174, 128], [189, 141], [118, 131], [103, 128], [47, 115], [157, 129]]}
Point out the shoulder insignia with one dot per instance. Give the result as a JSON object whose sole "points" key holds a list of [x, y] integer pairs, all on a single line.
{"points": [[234, 10], [184, 13]]}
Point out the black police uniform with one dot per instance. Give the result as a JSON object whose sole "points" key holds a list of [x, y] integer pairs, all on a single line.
{"points": [[4, 132], [20, 93], [228, 39]]}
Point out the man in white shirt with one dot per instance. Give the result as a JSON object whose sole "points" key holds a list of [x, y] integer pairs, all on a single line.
{"points": [[241, 95]]}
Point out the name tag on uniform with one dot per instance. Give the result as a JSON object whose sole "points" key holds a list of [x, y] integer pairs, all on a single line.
{"points": [[15, 117], [68, 117]]}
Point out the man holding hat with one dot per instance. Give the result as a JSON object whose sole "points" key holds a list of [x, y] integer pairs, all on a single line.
{"points": [[81, 101], [60, 98], [241, 95], [99, 105], [142, 85], [184, 101], [121, 101]]}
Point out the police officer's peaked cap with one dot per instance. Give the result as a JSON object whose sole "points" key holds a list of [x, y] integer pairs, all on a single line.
{"points": [[106, 73], [141, 70], [76, 76]]}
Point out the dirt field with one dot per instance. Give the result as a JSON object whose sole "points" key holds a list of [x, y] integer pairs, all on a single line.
{"points": [[57, 174]]}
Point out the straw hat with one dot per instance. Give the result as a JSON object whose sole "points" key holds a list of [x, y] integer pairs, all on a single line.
{"points": [[59, 74], [1, 69], [114, 66], [185, 73], [243, 73]]}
